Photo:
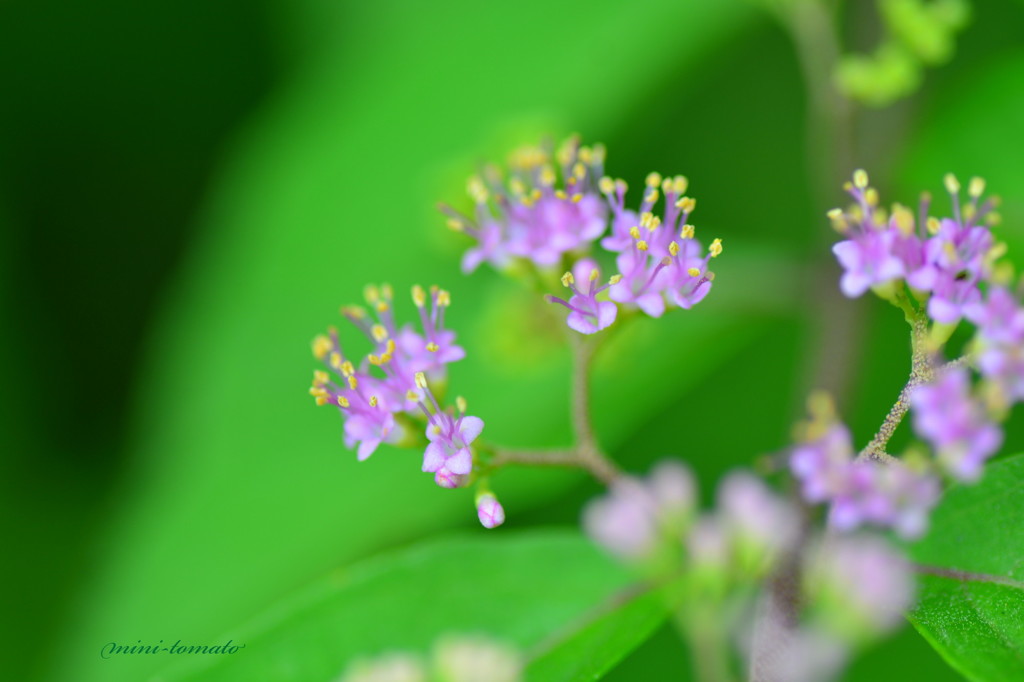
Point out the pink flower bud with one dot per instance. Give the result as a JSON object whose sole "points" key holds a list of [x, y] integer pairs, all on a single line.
{"points": [[490, 511]]}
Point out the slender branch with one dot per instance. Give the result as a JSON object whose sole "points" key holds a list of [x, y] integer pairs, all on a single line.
{"points": [[586, 454]]}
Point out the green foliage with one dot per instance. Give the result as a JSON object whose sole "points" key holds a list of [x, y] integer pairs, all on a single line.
{"points": [[535, 591], [973, 613]]}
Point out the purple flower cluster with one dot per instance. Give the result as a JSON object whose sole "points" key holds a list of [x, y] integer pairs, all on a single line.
{"points": [[550, 217], [955, 424], [862, 492], [547, 207], [641, 519], [1000, 341], [369, 401], [943, 258], [660, 259]]}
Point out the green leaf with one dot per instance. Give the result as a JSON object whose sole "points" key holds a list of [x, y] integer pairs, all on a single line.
{"points": [[972, 608], [591, 648], [522, 589]]}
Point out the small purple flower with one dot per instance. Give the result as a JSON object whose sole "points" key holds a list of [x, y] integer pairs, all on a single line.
{"points": [[490, 511], [884, 495], [361, 398], [1000, 318], [953, 294], [954, 423], [820, 465], [547, 207], [587, 315], [859, 585], [637, 516], [762, 524], [868, 260], [448, 454]]}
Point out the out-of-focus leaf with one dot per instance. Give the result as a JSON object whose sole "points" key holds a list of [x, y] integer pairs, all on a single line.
{"points": [[518, 589], [590, 649], [972, 611]]}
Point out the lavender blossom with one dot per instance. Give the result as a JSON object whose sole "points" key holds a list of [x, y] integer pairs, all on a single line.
{"points": [[587, 315], [861, 492], [448, 454], [859, 586], [955, 424], [537, 213], [659, 260], [639, 515], [948, 256], [363, 400], [761, 525], [1000, 341]]}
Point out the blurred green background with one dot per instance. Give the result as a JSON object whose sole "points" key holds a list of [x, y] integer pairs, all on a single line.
{"points": [[190, 189]]}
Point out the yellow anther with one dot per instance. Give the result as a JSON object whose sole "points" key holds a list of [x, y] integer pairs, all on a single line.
{"points": [[686, 204], [594, 274], [651, 196], [373, 401], [655, 223], [437, 429], [347, 368], [320, 377], [716, 248], [353, 311], [997, 251], [456, 224], [516, 186], [634, 232], [673, 249], [412, 395], [317, 391], [904, 219], [952, 184], [969, 212], [666, 261], [321, 346], [579, 171], [614, 279], [460, 404], [477, 190], [666, 185], [847, 186], [586, 155], [353, 383], [606, 185], [687, 232], [693, 272], [444, 298], [568, 280], [860, 178], [933, 225], [645, 218], [380, 333], [387, 292], [976, 187], [653, 180], [383, 307], [371, 293], [419, 297], [536, 194], [374, 359], [560, 194], [342, 401], [321, 400], [679, 184], [621, 186], [709, 276], [390, 347], [576, 198], [432, 347], [421, 380], [642, 245], [335, 360], [993, 218], [871, 196], [835, 214], [385, 358], [880, 217], [547, 176]]}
